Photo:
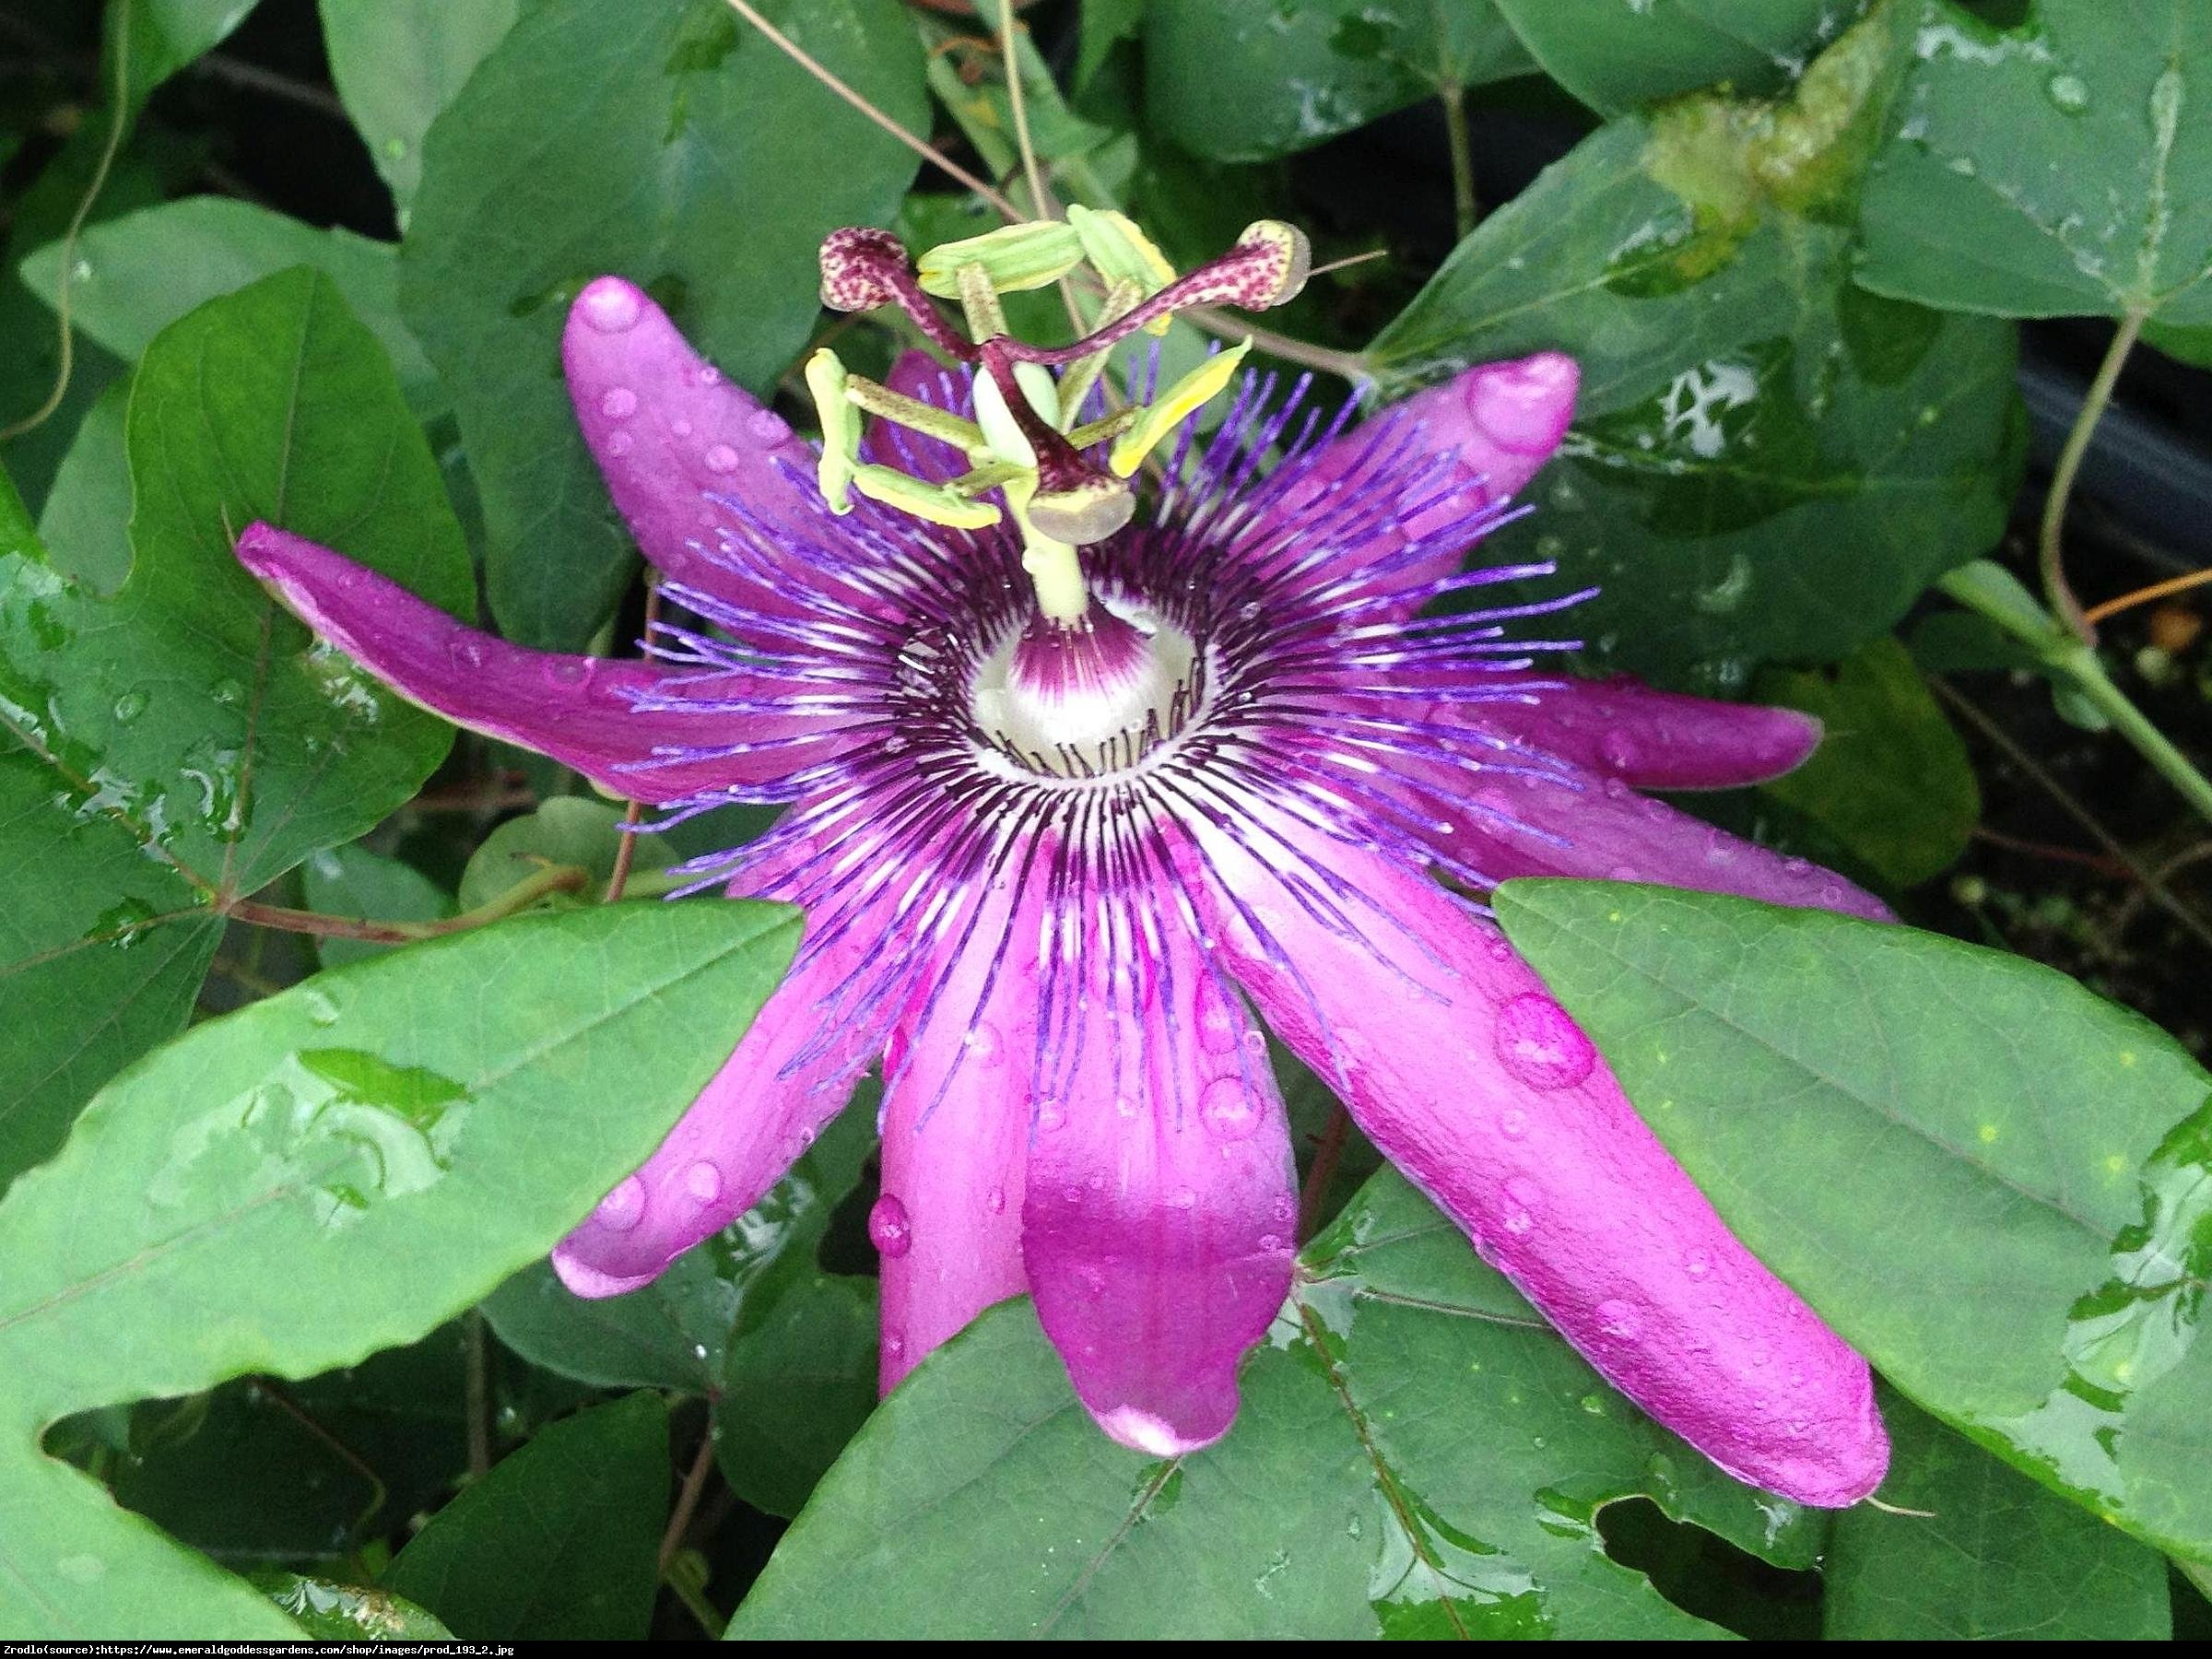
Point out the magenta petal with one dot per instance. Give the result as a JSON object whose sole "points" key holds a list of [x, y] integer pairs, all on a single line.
{"points": [[1512, 824], [1648, 739], [577, 710], [669, 432], [1160, 1207], [762, 1109], [1481, 1089], [947, 1227], [1499, 422], [918, 375]]}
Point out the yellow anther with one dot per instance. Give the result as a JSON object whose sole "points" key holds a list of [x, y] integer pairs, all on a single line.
{"points": [[1015, 257], [825, 379], [1181, 401], [938, 503]]}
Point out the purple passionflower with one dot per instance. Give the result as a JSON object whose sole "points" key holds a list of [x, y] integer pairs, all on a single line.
{"points": [[1048, 859]]}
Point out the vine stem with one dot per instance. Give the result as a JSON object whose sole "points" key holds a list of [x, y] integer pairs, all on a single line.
{"points": [[554, 878], [1326, 1153], [2144, 595], [687, 1498], [2051, 547], [626, 853], [67, 362], [1992, 590], [1018, 105]]}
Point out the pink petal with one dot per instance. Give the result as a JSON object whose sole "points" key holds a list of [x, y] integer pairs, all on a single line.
{"points": [[954, 1128], [1482, 1091], [1648, 739], [1500, 422], [1508, 824], [763, 1109], [918, 375], [1160, 1207], [669, 432], [577, 710]]}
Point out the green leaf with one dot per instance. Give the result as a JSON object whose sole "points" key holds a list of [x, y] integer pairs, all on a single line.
{"points": [[398, 62], [676, 1332], [2060, 167], [1106, 23], [1965, 1162], [187, 741], [1616, 57], [1244, 83], [798, 1386], [85, 521], [1993, 1558], [362, 886], [166, 35], [1769, 464], [666, 140], [332, 1171], [559, 1542], [1418, 1453], [330, 1612], [1891, 781], [567, 830], [136, 274]]}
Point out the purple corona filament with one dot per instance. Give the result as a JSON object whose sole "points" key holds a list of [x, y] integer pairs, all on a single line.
{"points": [[1050, 874]]}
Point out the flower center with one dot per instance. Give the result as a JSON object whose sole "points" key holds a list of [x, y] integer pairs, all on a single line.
{"points": [[1087, 700]]}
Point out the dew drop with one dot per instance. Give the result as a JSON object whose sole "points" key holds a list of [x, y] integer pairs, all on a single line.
{"points": [[1618, 750], [704, 1181], [769, 427], [1617, 1318], [890, 1231], [611, 306], [566, 671], [995, 1201], [624, 1207], [1218, 1030], [710, 376], [1051, 1115], [129, 706], [1720, 847], [1125, 1107], [617, 444], [467, 650], [619, 404], [1698, 1264], [1540, 1045], [721, 458], [1797, 868], [682, 428], [1183, 1198], [983, 1044], [894, 1344], [228, 692], [2068, 93], [1513, 1123], [1228, 1111]]}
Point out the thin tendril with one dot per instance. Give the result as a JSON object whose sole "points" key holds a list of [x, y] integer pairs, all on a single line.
{"points": [[64, 369]]}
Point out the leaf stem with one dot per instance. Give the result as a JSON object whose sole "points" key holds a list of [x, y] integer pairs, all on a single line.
{"points": [[1018, 105], [688, 1496], [554, 878], [2050, 551], [1462, 147], [2144, 595], [477, 1388], [626, 853]]}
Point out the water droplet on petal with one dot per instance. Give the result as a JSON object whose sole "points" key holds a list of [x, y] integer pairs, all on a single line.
{"points": [[467, 650], [619, 404], [894, 1344], [1183, 1198], [995, 1201], [704, 1181], [622, 1209], [611, 306], [721, 458], [710, 376], [1698, 1264], [1618, 750], [1051, 1115], [682, 428], [566, 671], [617, 444], [1229, 1109], [769, 427], [1513, 1123], [1540, 1044], [1797, 868], [890, 1231], [1125, 1107], [1619, 1318]]}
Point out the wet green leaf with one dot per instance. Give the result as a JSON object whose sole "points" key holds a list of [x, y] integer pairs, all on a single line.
{"points": [[187, 741], [2059, 168], [1966, 1162], [136, 274], [1616, 56], [676, 1332], [664, 140], [798, 1385], [1891, 781], [1418, 1453], [376, 1132], [1243, 83], [1769, 464], [330, 1612], [398, 62], [559, 1542], [1995, 1558], [362, 886]]}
